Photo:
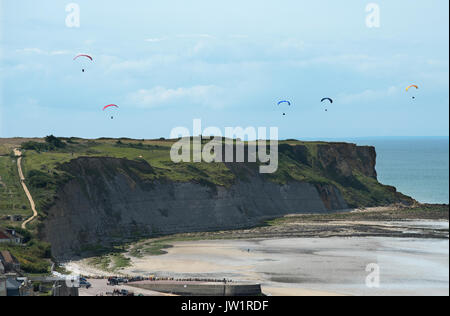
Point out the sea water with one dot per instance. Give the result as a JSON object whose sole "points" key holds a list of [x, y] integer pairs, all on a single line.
{"points": [[416, 166]]}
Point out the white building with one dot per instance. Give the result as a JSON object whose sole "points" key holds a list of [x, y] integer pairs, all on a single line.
{"points": [[10, 236]]}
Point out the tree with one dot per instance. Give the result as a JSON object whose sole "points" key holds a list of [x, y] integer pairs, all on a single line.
{"points": [[54, 142]]}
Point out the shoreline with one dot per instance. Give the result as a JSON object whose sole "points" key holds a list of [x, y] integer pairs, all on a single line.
{"points": [[306, 266], [272, 254]]}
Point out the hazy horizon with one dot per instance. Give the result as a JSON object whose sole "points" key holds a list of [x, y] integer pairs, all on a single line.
{"points": [[343, 138]]}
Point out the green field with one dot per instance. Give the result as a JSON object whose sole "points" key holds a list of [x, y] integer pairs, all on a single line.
{"points": [[4, 150]]}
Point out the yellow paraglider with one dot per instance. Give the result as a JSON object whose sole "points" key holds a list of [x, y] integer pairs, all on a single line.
{"points": [[412, 86]]}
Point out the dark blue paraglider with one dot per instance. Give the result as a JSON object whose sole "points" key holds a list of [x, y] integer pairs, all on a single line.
{"points": [[327, 99], [288, 103]]}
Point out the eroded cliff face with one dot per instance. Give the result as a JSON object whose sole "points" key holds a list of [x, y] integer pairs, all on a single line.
{"points": [[337, 159], [346, 159], [109, 200]]}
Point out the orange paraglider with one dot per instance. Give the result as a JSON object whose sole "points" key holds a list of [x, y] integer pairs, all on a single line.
{"points": [[412, 86]]}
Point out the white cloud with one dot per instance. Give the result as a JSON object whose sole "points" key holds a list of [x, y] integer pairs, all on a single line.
{"points": [[368, 95], [239, 36], [20, 68], [155, 40], [196, 36], [293, 43], [355, 60], [31, 51], [115, 64], [39, 51], [197, 49], [59, 52], [208, 95]]}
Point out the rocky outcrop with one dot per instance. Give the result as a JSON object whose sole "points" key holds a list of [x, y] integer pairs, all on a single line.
{"points": [[346, 159]]}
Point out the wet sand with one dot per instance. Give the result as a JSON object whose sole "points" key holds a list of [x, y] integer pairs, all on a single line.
{"points": [[416, 263], [311, 266]]}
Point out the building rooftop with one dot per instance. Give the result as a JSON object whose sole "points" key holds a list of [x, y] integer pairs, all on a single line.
{"points": [[7, 257], [4, 235], [9, 234]]}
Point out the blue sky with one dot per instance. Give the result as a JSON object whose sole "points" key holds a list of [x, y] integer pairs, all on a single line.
{"points": [[227, 62]]}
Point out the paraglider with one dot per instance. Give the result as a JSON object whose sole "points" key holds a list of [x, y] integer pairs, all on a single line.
{"points": [[327, 99], [284, 102], [83, 56], [412, 86], [110, 106]]}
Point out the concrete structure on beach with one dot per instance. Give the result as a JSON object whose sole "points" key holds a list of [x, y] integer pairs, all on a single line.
{"points": [[192, 288]]}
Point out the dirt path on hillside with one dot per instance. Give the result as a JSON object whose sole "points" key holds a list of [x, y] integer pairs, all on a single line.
{"points": [[18, 154]]}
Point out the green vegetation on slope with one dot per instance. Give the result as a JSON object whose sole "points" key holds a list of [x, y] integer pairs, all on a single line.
{"points": [[34, 257], [113, 262], [13, 200], [300, 161], [150, 248], [4, 150]]}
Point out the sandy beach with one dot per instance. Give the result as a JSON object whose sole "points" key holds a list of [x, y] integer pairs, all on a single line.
{"points": [[307, 266], [312, 266]]}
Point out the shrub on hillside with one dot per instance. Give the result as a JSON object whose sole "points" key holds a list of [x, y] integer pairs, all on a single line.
{"points": [[51, 143], [35, 146], [39, 179], [54, 142]]}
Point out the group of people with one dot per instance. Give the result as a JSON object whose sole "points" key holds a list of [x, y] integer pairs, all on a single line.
{"points": [[155, 279]]}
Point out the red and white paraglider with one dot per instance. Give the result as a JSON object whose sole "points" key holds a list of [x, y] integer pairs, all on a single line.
{"points": [[110, 107]]}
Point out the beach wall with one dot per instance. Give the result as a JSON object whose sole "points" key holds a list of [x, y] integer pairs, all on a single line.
{"points": [[201, 289]]}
